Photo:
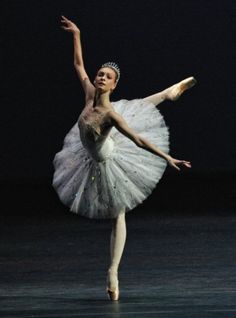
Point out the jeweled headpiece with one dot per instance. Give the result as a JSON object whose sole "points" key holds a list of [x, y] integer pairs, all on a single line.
{"points": [[114, 67]]}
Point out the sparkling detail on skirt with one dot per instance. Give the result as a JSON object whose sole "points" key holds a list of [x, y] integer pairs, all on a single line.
{"points": [[116, 175]]}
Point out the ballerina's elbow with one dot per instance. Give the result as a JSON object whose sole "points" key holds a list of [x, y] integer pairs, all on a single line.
{"points": [[139, 142], [78, 65]]}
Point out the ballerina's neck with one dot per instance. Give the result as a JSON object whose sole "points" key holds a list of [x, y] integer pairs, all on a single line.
{"points": [[101, 99]]}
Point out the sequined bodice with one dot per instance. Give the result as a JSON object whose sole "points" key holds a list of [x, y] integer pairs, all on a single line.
{"points": [[94, 133]]}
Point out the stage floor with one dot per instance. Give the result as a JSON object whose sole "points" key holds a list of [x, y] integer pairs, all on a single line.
{"points": [[173, 266]]}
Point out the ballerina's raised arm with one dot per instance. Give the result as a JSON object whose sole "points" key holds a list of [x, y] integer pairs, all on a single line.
{"points": [[88, 87]]}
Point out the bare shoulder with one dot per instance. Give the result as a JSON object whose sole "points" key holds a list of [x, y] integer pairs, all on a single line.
{"points": [[115, 119], [113, 115]]}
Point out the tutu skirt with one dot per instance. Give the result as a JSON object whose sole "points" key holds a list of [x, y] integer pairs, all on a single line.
{"points": [[127, 174]]}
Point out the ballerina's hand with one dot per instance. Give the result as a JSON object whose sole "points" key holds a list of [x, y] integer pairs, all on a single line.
{"points": [[175, 163], [69, 26]]}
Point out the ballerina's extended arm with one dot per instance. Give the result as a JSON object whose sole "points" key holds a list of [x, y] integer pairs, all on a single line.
{"points": [[121, 125], [69, 26]]}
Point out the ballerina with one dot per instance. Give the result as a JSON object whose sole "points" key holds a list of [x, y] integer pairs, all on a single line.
{"points": [[115, 153]]}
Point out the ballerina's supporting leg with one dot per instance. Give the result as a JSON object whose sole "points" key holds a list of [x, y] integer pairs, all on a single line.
{"points": [[171, 93], [117, 243]]}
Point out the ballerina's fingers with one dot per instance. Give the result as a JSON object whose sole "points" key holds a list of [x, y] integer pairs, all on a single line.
{"points": [[66, 22], [174, 165], [64, 18], [65, 28], [188, 164], [185, 163]]}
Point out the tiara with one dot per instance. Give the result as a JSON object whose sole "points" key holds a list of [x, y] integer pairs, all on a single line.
{"points": [[113, 66]]}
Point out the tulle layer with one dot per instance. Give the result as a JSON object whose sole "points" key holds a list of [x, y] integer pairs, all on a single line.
{"points": [[122, 180]]}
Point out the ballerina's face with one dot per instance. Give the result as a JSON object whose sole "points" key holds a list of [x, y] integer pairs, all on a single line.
{"points": [[106, 79]]}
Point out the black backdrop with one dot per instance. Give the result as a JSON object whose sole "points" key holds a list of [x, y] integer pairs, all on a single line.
{"points": [[156, 43]]}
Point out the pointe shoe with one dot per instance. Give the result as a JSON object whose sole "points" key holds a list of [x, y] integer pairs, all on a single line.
{"points": [[177, 90], [113, 293]]}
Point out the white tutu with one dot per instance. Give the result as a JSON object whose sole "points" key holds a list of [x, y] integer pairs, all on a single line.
{"points": [[118, 175]]}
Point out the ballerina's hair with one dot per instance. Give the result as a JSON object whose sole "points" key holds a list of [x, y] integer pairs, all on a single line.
{"points": [[114, 67]]}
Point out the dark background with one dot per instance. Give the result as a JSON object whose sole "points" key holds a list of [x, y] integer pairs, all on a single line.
{"points": [[156, 44]]}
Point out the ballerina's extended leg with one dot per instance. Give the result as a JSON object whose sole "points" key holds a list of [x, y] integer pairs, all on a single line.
{"points": [[173, 92], [117, 243]]}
